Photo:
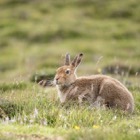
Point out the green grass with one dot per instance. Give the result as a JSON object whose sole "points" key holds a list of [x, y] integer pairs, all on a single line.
{"points": [[35, 35], [41, 109]]}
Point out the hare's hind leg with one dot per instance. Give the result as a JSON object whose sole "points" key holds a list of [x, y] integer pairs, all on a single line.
{"points": [[113, 95]]}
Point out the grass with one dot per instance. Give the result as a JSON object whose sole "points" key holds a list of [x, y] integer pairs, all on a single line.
{"points": [[41, 109], [35, 35]]}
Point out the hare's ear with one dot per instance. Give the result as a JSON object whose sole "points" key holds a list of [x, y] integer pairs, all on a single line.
{"points": [[76, 61], [67, 59]]}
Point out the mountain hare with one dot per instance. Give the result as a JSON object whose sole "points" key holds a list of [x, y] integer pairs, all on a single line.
{"points": [[98, 90]]}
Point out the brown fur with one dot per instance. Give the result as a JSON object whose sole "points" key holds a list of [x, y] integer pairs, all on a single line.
{"points": [[97, 89]]}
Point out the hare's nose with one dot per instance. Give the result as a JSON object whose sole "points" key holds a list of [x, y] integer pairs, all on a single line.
{"points": [[57, 78]]}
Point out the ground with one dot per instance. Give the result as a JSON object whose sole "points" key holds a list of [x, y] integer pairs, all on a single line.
{"points": [[35, 36]]}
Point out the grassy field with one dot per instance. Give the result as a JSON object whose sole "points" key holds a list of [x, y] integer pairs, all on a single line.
{"points": [[35, 35]]}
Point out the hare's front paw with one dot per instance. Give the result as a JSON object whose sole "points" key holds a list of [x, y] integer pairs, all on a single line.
{"points": [[80, 99], [99, 103]]}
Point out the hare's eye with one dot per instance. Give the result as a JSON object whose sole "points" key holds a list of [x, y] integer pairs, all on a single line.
{"points": [[67, 71]]}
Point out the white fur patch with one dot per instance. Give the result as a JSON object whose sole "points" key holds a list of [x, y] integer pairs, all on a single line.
{"points": [[54, 82], [91, 87], [61, 96]]}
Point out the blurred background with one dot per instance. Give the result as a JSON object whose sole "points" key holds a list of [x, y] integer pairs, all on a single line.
{"points": [[35, 35]]}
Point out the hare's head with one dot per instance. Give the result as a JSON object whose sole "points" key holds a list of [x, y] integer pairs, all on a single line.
{"points": [[66, 74]]}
